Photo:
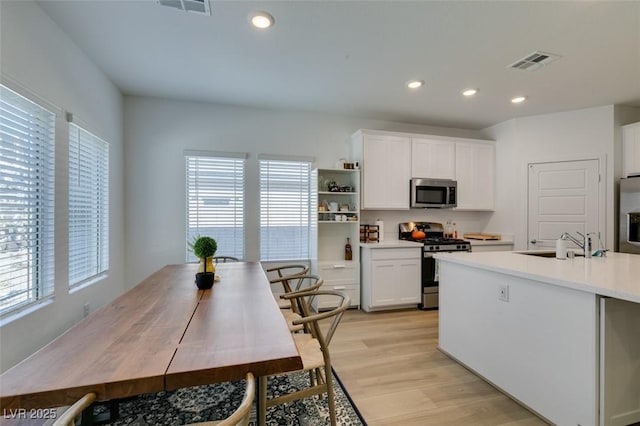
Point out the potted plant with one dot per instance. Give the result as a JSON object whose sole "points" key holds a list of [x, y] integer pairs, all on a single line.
{"points": [[204, 248]]}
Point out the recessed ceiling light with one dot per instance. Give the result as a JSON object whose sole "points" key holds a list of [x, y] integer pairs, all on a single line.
{"points": [[415, 84], [262, 20], [518, 99], [470, 92]]}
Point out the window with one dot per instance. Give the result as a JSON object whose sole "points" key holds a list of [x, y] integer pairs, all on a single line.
{"points": [[26, 201], [215, 200], [285, 192], [88, 205]]}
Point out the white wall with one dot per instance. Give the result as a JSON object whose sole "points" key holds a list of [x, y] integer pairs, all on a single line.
{"points": [[35, 54], [587, 133], [158, 131]]}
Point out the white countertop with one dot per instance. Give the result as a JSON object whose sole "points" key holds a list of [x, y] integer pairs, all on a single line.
{"points": [[617, 275], [489, 242], [391, 244]]}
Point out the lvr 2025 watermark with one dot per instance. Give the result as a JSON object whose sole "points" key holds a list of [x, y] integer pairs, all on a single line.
{"points": [[22, 413]]}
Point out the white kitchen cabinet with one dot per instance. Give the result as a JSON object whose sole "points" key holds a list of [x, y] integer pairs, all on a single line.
{"points": [[337, 218], [339, 276], [433, 158], [391, 278], [475, 173], [385, 161], [631, 149]]}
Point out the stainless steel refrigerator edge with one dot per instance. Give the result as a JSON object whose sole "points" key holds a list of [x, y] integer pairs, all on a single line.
{"points": [[629, 235]]}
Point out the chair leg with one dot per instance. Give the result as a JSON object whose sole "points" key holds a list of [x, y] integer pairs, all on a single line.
{"points": [[330, 398], [261, 409]]}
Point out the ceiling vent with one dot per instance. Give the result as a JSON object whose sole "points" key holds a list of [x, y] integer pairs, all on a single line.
{"points": [[195, 6], [534, 61]]}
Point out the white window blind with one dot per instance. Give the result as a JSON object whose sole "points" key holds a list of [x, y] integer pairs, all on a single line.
{"points": [[215, 202], [284, 209], [27, 138], [88, 205]]}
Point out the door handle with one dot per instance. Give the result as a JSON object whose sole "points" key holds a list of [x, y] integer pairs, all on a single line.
{"points": [[533, 241]]}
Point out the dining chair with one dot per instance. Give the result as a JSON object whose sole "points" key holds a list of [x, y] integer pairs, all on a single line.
{"points": [[313, 348], [224, 259], [68, 417], [240, 417], [287, 276], [304, 284]]}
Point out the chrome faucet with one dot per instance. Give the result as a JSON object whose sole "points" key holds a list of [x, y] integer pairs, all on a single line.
{"points": [[585, 245]]}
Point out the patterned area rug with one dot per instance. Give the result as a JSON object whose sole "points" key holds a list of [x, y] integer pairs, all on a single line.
{"points": [[214, 402]]}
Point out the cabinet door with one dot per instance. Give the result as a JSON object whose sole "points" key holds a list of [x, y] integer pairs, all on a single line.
{"points": [[408, 288], [383, 283], [631, 149], [395, 282], [475, 173], [432, 158], [386, 172]]}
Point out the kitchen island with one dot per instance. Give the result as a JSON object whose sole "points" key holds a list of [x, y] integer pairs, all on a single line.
{"points": [[560, 336]]}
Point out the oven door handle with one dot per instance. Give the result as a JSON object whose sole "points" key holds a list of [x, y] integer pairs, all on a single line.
{"points": [[426, 254]]}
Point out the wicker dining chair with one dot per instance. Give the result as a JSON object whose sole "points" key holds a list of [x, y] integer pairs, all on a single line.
{"points": [[287, 276], [240, 417], [68, 417], [314, 351], [304, 284]]}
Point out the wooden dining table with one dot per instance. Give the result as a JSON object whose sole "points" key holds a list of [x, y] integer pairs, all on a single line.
{"points": [[163, 334]]}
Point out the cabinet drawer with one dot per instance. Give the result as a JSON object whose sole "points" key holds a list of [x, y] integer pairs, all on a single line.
{"points": [[339, 271], [351, 290], [396, 253]]}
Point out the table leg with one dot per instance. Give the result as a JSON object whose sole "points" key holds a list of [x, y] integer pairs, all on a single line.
{"points": [[261, 401]]}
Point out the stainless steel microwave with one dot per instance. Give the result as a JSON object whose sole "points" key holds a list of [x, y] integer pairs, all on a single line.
{"points": [[433, 193]]}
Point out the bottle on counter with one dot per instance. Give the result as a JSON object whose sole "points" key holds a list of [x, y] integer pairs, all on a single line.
{"points": [[448, 230], [348, 254], [455, 231]]}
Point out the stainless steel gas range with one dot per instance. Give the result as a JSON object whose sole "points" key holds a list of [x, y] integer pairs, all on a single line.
{"points": [[431, 234]]}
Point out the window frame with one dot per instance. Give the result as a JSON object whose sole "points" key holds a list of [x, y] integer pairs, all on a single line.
{"points": [[41, 269], [99, 207], [238, 206], [303, 251]]}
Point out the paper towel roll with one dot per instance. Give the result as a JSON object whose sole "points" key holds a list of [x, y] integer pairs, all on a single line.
{"points": [[380, 225], [561, 249]]}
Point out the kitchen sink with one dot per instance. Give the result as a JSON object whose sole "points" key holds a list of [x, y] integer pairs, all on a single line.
{"points": [[540, 253]]}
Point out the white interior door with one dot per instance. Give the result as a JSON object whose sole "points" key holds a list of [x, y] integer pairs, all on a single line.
{"points": [[563, 197]]}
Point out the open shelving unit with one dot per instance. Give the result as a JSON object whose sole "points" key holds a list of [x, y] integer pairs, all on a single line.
{"points": [[336, 207]]}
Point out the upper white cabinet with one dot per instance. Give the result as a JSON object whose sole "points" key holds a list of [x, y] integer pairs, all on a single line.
{"points": [[385, 169], [389, 161], [631, 149], [433, 158], [475, 173]]}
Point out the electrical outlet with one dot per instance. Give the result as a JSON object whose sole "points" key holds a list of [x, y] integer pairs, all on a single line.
{"points": [[503, 292], [86, 310]]}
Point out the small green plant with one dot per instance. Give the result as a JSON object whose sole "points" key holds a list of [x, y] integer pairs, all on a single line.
{"points": [[203, 247]]}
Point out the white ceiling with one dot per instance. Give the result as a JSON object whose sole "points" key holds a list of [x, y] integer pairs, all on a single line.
{"points": [[354, 57]]}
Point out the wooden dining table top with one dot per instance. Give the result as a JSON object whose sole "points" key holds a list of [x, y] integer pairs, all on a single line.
{"points": [[163, 334]]}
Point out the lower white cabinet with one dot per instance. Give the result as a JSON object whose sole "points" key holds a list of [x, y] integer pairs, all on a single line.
{"points": [[390, 277], [342, 276]]}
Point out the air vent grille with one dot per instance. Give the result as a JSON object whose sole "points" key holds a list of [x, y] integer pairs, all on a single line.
{"points": [[534, 61], [194, 6]]}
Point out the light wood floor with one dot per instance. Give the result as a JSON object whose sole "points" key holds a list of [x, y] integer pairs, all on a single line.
{"points": [[391, 367]]}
